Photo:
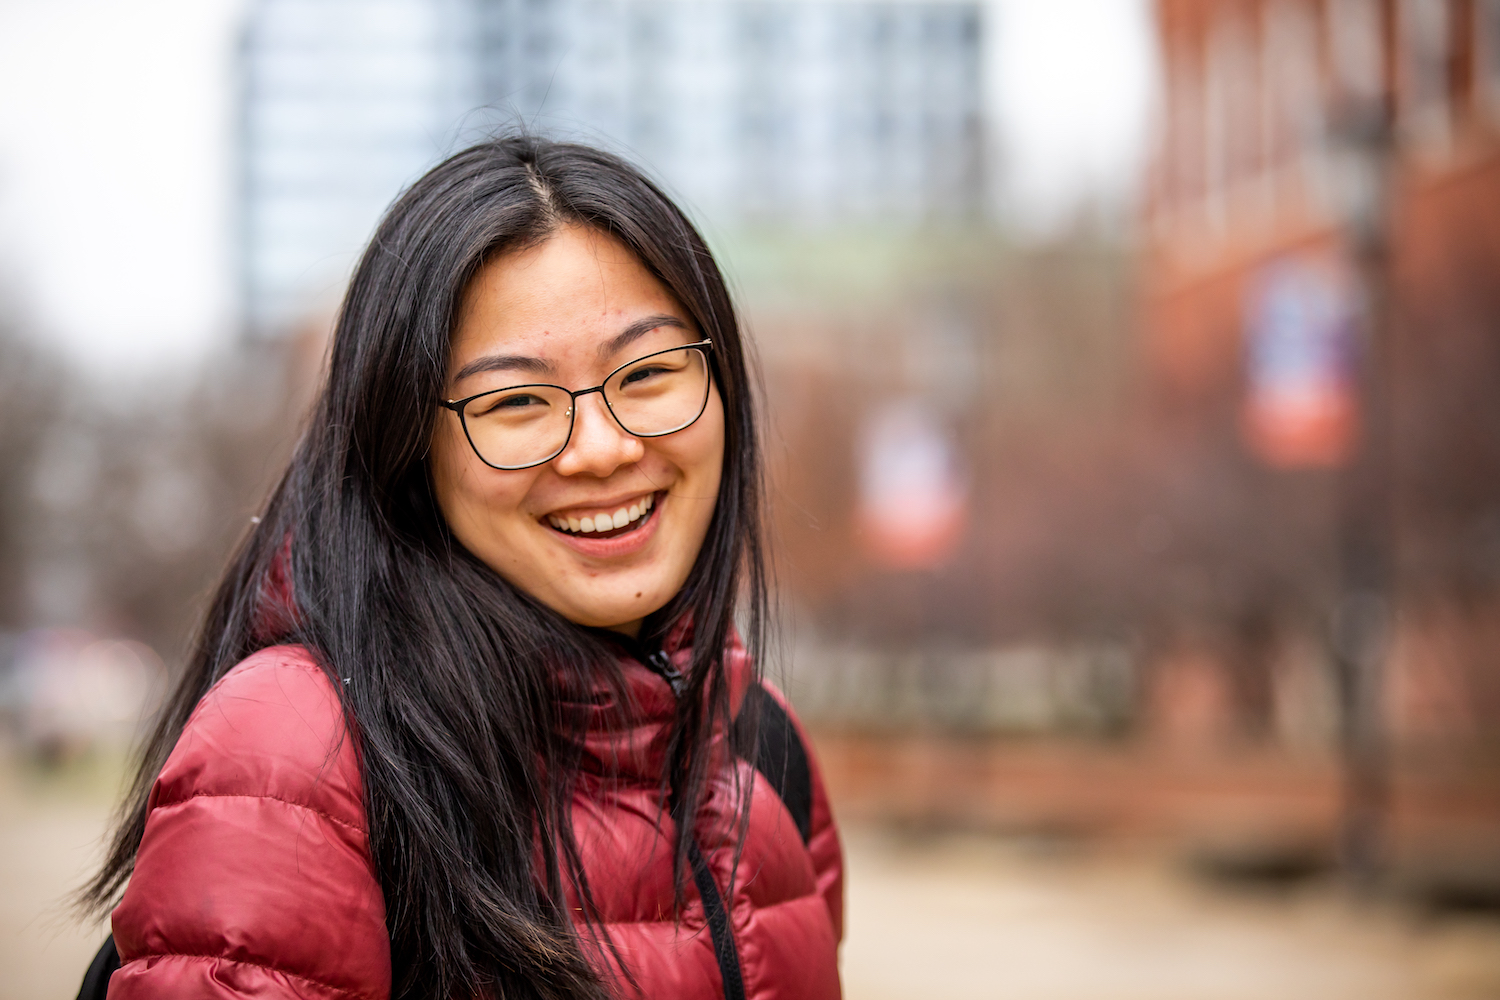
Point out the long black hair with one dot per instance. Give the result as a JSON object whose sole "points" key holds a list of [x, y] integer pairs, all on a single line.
{"points": [[458, 680]]}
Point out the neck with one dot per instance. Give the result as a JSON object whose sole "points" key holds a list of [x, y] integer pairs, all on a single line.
{"points": [[631, 629]]}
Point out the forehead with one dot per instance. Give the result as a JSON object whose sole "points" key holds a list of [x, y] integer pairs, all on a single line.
{"points": [[563, 296]]}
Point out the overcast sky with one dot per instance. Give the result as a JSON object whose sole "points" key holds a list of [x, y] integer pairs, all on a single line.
{"points": [[115, 170]]}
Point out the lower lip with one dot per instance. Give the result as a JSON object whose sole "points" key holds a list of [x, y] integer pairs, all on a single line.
{"points": [[621, 545]]}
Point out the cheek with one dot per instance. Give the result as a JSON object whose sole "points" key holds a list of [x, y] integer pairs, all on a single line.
{"points": [[694, 456], [446, 464], [699, 455], [469, 493], [710, 458]]}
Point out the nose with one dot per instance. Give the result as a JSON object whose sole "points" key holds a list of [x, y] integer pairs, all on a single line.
{"points": [[599, 445]]}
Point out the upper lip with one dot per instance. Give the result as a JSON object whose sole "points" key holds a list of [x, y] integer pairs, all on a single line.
{"points": [[599, 506]]}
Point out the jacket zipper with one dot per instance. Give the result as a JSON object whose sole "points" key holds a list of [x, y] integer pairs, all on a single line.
{"points": [[661, 664]]}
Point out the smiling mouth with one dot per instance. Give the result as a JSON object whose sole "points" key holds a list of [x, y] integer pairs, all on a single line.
{"points": [[606, 524]]}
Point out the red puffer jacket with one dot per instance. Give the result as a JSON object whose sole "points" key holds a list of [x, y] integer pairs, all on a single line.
{"points": [[254, 875]]}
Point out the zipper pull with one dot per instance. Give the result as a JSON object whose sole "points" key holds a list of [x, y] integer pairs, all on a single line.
{"points": [[661, 664]]}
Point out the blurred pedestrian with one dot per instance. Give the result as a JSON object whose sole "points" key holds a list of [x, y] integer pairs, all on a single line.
{"points": [[470, 714]]}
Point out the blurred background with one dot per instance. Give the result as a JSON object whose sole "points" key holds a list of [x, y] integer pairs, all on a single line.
{"points": [[1132, 382]]}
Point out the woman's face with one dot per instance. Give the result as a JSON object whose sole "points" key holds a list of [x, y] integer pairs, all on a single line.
{"points": [[569, 312]]}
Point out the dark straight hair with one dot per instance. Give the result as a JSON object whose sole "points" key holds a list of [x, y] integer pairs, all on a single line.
{"points": [[459, 682]]}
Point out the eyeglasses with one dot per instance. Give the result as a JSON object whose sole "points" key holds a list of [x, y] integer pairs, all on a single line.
{"points": [[527, 425]]}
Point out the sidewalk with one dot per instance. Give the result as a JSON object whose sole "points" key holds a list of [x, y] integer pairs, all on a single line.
{"points": [[962, 918], [948, 918]]}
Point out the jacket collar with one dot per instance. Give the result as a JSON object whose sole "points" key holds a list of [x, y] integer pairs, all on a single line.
{"points": [[630, 741]]}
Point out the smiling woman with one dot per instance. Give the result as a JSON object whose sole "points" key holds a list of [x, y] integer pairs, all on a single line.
{"points": [[469, 715], [548, 485]]}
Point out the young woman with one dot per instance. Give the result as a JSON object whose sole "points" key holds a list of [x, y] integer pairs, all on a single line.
{"points": [[469, 715]]}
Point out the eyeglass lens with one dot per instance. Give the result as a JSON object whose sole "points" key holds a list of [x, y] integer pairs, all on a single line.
{"points": [[530, 424]]}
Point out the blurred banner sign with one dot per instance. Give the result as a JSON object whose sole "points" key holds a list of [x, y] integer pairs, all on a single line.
{"points": [[913, 501], [1300, 409]]}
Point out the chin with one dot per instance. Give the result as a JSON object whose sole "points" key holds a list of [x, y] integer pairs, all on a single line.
{"points": [[617, 608]]}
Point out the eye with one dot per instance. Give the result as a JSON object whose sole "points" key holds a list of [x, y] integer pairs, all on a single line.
{"points": [[507, 404], [641, 374], [519, 400]]}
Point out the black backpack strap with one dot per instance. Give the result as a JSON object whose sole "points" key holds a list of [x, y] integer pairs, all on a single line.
{"points": [[717, 915], [96, 980], [765, 735]]}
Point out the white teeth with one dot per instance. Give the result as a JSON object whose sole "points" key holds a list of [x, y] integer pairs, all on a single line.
{"points": [[605, 522]]}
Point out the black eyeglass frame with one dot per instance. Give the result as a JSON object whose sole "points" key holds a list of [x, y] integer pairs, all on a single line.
{"points": [[705, 346]]}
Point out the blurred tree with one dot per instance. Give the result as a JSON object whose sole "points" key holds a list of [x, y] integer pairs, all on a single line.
{"points": [[29, 382], [179, 480], [128, 497]]}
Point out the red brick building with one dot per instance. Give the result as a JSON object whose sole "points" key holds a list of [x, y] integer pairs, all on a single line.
{"points": [[1248, 162], [1251, 176]]}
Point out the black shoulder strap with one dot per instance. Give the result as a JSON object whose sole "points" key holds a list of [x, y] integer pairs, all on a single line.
{"points": [[96, 980], [766, 736], [719, 928]]}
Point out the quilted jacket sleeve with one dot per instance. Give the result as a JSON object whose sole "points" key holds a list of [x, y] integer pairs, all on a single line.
{"points": [[823, 842], [253, 877]]}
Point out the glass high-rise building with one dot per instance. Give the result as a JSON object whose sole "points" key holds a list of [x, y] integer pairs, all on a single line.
{"points": [[777, 111]]}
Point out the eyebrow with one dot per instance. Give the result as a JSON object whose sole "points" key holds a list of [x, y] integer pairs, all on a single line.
{"points": [[503, 363], [537, 366], [638, 329]]}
